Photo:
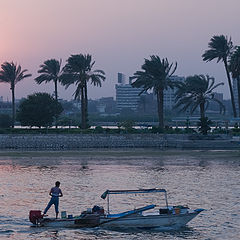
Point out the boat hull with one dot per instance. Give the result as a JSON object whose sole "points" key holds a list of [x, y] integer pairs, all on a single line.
{"points": [[56, 223], [162, 222]]}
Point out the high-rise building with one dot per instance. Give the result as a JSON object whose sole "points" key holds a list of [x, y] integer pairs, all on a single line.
{"points": [[121, 78], [126, 95]]}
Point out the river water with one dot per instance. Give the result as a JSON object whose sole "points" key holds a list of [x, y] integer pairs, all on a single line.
{"points": [[200, 179]]}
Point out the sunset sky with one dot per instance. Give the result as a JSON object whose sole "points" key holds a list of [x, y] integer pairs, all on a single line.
{"points": [[119, 34]]}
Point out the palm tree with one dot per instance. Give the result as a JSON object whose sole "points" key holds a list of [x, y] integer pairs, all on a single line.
{"points": [[12, 73], [78, 71], [49, 71], [197, 91], [220, 48], [234, 68], [156, 74]]}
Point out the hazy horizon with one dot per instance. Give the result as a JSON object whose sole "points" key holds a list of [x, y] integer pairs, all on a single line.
{"points": [[118, 34]]}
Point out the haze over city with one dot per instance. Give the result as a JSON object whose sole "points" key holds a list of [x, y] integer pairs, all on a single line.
{"points": [[118, 34]]}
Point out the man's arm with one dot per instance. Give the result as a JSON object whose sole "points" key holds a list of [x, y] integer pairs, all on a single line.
{"points": [[50, 192], [60, 193]]}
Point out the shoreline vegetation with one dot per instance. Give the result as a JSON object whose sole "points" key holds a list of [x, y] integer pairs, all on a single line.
{"points": [[125, 154], [193, 94], [233, 131]]}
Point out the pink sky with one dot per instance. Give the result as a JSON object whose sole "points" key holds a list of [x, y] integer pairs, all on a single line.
{"points": [[119, 34]]}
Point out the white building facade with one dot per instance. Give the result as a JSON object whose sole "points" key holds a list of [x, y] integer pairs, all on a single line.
{"points": [[128, 97]]}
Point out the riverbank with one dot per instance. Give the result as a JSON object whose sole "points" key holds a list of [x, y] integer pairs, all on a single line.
{"points": [[56, 142]]}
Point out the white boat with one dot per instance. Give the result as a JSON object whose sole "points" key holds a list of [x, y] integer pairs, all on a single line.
{"points": [[166, 218]]}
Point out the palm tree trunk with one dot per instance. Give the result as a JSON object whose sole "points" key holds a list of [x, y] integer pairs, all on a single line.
{"points": [[230, 88], [56, 98], [82, 107], [202, 110], [238, 89], [160, 108], [13, 106], [56, 91], [86, 103]]}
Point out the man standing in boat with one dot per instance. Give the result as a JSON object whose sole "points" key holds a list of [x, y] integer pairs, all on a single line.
{"points": [[55, 193]]}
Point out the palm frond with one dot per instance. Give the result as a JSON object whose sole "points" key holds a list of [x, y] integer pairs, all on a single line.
{"points": [[195, 90], [50, 70], [12, 73], [220, 48]]}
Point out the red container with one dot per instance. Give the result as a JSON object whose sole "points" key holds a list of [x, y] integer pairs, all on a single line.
{"points": [[35, 215]]}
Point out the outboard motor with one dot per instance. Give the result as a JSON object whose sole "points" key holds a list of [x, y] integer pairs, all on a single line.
{"points": [[35, 216]]}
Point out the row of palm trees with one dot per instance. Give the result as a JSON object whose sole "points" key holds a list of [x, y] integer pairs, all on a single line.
{"points": [[78, 71], [221, 48], [197, 90], [155, 74]]}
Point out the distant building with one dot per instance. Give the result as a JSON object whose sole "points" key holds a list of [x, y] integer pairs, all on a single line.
{"points": [[5, 107], [147, 104], [106, 105], [121, 78], [126, 95]]}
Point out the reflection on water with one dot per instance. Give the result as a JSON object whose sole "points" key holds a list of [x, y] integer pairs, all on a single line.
{"points": [[199, 180]]}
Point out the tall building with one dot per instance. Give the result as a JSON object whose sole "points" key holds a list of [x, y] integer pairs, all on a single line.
{"points": [[121, 78], [126, 95]]}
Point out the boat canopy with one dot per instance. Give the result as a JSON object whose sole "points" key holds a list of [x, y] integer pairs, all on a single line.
{"points": [[152, 190]]}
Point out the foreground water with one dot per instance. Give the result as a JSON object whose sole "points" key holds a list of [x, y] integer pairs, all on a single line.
{"points": [[208, 180]]}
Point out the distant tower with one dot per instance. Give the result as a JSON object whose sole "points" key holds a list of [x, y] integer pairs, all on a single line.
{"points": [[121, 78], [126, 95]]}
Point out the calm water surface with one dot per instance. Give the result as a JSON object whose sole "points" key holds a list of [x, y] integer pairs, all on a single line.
{"points": [[198, 179]]}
